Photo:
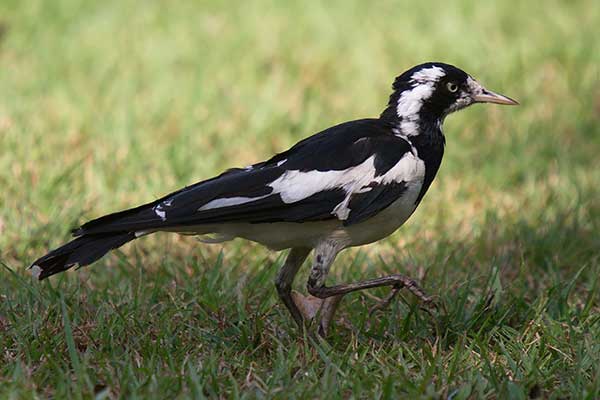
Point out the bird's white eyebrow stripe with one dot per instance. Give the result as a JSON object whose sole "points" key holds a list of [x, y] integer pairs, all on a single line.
{"points": [[473, 85], [430, 74]]}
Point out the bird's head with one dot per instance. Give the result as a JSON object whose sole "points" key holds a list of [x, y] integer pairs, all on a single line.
{"points": [[429, 92]]}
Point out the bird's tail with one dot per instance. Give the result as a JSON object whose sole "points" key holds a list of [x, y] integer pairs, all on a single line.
{"points": [[80, 251]]}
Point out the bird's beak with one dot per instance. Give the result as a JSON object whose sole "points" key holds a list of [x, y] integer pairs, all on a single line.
{"points": [[482, 95]]}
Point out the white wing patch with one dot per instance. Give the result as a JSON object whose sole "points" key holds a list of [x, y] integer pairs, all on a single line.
{"points": [[229, 201], [159, 209], [409, 169], [342, 211], [160, 212], [295, 185]]}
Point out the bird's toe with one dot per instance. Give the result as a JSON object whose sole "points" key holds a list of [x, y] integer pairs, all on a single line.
{"points": [[312, 307], [308, 306]]}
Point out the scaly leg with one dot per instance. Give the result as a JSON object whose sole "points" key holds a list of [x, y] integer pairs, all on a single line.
{"points": [[326, 252], [285, 278], [311, 306], [303, 308], [324, 292]]}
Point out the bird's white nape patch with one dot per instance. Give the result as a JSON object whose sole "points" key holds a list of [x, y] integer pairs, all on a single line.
{"points": [[229, 201], [410, 101], [36, 271]]}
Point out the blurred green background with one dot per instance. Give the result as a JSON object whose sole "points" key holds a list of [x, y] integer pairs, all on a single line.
{"points": [[105, 105]]}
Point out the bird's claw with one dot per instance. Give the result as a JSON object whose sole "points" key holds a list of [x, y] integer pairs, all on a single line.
{"points": [[429, 303], [432, 303], [384, 303]]}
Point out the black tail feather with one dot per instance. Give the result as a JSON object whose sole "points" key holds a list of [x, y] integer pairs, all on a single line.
{"points": [[81, 251]]}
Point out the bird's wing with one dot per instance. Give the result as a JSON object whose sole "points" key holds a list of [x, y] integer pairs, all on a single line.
{"points": [[349, 172], [364, 205]]}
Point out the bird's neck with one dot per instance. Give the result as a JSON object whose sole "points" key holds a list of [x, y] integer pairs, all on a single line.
{"points": [[410, 115], [425, 135], [420, 128]]}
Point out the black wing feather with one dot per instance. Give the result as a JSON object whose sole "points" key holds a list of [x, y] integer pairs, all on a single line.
{"points": [[365, 205]]}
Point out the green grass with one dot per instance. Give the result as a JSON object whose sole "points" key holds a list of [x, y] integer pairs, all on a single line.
{"points": [[105, 105]]}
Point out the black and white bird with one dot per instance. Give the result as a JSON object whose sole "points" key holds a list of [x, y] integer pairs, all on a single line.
{"points": [[351, 184]]}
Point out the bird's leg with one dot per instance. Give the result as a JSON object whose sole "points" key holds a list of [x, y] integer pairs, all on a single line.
{"points": [[311, 306], [303, 308], [324, 256], [396, 280], [285, 278]]}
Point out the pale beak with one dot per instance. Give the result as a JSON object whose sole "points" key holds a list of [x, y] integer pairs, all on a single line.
{"points": [[487, 96]]}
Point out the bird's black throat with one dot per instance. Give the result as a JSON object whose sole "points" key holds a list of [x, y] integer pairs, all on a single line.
{"points": [[429, 143]]}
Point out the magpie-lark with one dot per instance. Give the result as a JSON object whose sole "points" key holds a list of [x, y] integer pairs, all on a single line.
{"points": [[349, 185]]}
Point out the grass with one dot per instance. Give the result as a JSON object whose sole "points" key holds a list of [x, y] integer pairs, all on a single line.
{"points": [[104, 105]]}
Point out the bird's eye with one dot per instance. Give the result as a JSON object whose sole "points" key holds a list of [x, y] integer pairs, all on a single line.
{"points": [[452, 87]]}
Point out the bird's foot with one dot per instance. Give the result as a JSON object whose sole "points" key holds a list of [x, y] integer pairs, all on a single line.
{"points": [[384, 303], [429, 302], [312, 307]]}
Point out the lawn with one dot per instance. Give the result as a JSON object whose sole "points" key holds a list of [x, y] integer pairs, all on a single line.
{"points": [[106, 105]]}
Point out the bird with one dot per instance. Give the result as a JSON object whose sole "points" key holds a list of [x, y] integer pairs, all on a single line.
{"points": [[349, 185]]}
